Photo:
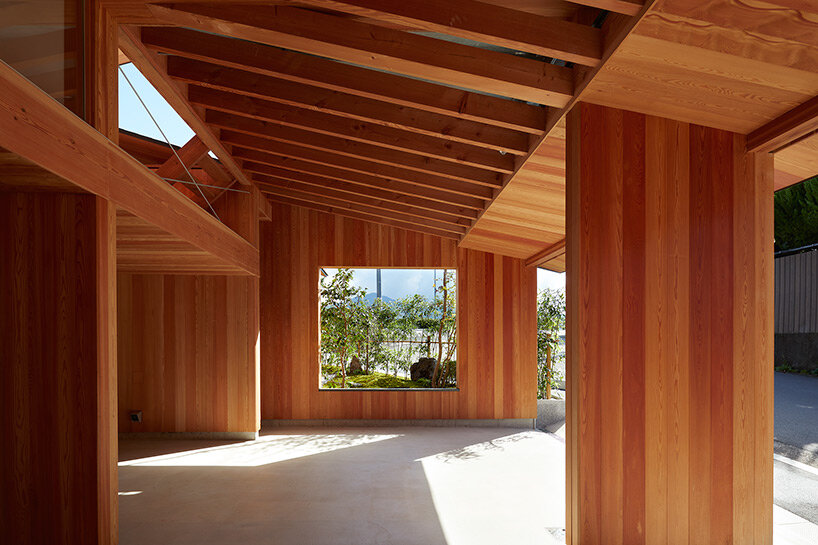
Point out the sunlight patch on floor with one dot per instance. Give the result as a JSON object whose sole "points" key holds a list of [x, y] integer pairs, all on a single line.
{"points": [[265, 450]]}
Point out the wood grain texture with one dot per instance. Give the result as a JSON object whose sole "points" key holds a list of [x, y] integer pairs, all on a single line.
{"points": [[187, 352], [496, 328], [670, 301], [58, 455]]}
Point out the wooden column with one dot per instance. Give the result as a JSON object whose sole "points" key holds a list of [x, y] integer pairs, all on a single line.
{"points": [[57, 376], [670, 333]]}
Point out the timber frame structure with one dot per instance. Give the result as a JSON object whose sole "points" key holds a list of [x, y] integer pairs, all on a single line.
{"points": [[635, 144]]}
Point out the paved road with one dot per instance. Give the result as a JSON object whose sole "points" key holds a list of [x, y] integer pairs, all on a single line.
{"points": [[796, 411], [796, 425], [796, 490]]}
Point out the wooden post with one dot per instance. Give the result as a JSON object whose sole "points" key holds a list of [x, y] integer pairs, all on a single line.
{"points": [[670, 331]]}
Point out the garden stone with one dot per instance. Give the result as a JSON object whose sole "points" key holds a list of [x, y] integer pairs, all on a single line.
{"points": [[355, 367], [423, 368]]}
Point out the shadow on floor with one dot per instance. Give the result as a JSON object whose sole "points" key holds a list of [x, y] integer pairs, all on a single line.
{"points": [[368, 485]]}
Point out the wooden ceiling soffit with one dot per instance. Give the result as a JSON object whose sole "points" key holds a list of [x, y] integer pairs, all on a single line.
{"points": [[361, 166], [794, 125], [360, 131], [369, 152], [485, 23], [615, 29], [328, 74], [547, 254], [83, 156], [624, 7], [381, 48], [153, 67], [376, 192], [355, 214], [253, 159]]}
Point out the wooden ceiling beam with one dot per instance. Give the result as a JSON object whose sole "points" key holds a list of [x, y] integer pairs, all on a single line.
{"points": [[190, 154], [376, 154], [154, 68], [625, 7], [359, 131], [74, 151], [485, 23], [430, 192], [547, 254], [508, 116], [345, 204], [785, 130], [355, 164], [361, 190], [202, 76], [425, 217], [340, 211], [381, 48]]}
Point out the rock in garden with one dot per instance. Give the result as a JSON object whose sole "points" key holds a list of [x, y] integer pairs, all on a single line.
{"points": [[355, 367], [423, 368]]}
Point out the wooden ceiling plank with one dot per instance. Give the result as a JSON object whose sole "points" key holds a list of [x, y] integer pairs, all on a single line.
{"points": [[625, 7], [361, 190], [206, 76], [381, 48], [505, 117], [153, 67], [357, 215], [361, 131], [442, 221], [320, 142], [546, 254], [485, 23], [790, 127], [334, 206], [327, 170]]}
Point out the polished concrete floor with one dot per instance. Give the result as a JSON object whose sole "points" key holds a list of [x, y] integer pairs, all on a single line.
{"points": [[310, 486]]}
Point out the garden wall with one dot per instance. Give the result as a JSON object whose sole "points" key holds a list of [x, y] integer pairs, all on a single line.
{"points": [[496, 369]]}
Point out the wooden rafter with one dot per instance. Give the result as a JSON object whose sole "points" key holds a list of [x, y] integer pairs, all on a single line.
{"points": [[190, 154], [412, 222], [354, 164], [299, 166], [153, 67], [486, 23], [787, 129], [426, 217], [343, 211], [547, 254], [381, 48], [360, 131], [361, 190], [350, 148], [205, 77], [327, 74], [625, 7]]}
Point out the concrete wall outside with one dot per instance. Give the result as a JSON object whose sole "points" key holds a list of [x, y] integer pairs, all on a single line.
{"points": [[798, 350]]}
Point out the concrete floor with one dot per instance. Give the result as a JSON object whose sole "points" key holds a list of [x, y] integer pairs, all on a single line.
{"points": [[401, 485]]}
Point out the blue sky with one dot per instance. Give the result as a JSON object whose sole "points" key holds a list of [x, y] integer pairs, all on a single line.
{"points": [[134, 118]]}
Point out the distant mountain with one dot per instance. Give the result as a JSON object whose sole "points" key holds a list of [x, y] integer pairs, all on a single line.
{"points": [[370, 297]]}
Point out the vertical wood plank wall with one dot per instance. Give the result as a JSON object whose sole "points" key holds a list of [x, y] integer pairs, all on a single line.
{"points": [[670, 333], [58, 452], [187, 353], [189, 344], [496, 329]]}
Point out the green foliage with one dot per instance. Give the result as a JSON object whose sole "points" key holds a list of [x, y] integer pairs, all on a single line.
{"points": [[377, 380], [796, 215], [383, 335], [550, 320], [787, 368]]}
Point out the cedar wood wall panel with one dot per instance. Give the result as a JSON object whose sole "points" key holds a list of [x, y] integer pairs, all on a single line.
{"points": [[496, 329], [187, 352], [58, 458], [670, 332]]}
